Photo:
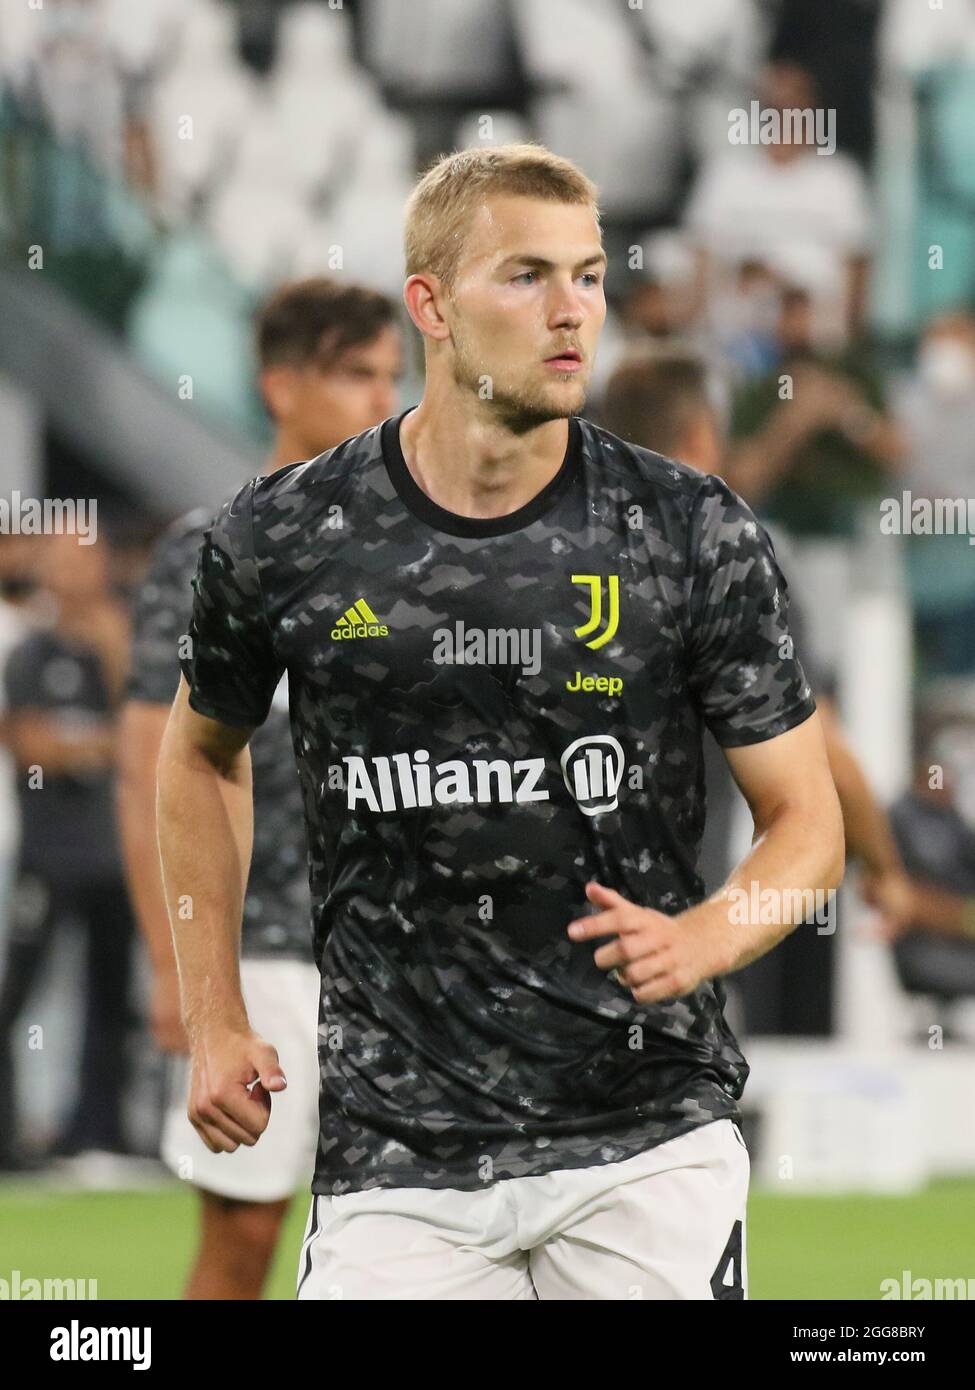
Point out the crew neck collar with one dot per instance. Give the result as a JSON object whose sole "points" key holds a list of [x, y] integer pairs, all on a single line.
{"points": [[422, 506]]}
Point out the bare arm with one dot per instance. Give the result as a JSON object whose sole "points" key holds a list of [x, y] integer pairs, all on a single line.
{"points": [[938, 909], [798, 849], [141, 733], [798, 845], [823, 399], [755, 465], [39, 738], [205, 822]]}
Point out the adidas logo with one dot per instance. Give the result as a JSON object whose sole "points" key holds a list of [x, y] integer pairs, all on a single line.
{"points": [[359, 621]]}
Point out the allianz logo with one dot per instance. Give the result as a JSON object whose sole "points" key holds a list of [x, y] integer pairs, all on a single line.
{"points": [[489, 646], [592, 769]]}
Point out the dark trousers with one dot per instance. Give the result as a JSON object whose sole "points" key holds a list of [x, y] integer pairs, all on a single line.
{"points": [[102, 911]]}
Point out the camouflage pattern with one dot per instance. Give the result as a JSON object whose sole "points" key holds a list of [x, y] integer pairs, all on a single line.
{"points": [[277, 906], [456, 809]]}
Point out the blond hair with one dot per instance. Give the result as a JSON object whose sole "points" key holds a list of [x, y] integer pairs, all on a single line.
{"points": [[442, 202]]}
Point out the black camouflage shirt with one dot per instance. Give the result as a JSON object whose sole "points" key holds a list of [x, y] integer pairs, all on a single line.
{"points": [[486, 714], [277, 907]]}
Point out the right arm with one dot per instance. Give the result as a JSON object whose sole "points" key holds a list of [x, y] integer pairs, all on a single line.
{"points": [[141, 733], [204, 817]]}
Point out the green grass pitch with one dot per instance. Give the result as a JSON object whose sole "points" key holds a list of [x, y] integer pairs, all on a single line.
{"points": [[138, 1245]]}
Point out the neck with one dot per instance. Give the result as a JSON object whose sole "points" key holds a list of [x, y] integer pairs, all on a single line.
{"points": [[287, 448], [470, 463], [74, 613]]}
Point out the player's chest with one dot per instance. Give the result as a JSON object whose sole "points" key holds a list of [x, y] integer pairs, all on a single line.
{"points": [[556, 630]]}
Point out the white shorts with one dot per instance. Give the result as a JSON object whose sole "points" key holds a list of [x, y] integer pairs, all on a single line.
{"points": [[668, 1224], [281, 997]]}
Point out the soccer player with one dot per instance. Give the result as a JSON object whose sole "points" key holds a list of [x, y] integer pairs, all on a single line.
{"points": [[499, 668], [329, 357]]}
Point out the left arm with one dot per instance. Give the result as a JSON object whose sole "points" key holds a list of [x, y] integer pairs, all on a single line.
{"points": [[745, 678], [797, 850]]}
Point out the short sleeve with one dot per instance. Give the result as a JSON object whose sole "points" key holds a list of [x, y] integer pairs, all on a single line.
{"points": [[745, 673], [161, 613], [230, 666]]}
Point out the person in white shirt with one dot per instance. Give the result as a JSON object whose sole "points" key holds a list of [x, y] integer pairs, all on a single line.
{"points": [[791, 207]]}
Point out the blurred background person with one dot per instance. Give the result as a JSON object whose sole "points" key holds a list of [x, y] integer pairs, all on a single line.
{"points": [[782, 204], [934, 824], [813, 440], [936, 409], [329, 359], [18, 592], [63, 687]]}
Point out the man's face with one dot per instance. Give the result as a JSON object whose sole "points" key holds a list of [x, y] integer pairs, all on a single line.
{"points": [[526, 308], [326, 401]]}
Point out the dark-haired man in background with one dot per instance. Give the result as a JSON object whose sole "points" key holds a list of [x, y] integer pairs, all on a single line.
{"points": [[329, 357]]}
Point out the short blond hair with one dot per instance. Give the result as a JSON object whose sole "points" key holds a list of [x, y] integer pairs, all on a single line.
{"points": [[442, 202]]}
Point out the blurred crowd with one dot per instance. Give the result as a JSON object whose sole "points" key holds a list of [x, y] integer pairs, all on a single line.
{"points": [[752, 332]]}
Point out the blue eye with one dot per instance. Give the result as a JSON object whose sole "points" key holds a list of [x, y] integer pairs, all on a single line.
{"points": [[526, 275]]}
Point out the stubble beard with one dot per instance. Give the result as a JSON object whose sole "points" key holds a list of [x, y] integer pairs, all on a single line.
{"points": [[518, 408]]}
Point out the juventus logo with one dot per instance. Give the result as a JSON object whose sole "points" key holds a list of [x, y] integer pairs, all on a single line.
{"points": [[594, 582], [593, 770]]}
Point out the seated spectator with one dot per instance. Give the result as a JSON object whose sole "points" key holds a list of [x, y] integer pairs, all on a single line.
{"points": [[934, 824]]}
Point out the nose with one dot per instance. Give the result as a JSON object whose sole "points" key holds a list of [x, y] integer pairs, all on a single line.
{"points": [[566, 309]]}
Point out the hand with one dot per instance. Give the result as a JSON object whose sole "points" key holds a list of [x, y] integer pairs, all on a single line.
{"points": [[655, 956], [825, 400], [893, 895], [233, 1076], [165, 1021]]}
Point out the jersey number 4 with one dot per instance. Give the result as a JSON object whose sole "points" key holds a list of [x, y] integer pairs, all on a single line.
{"points": [[727, 1281]]}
